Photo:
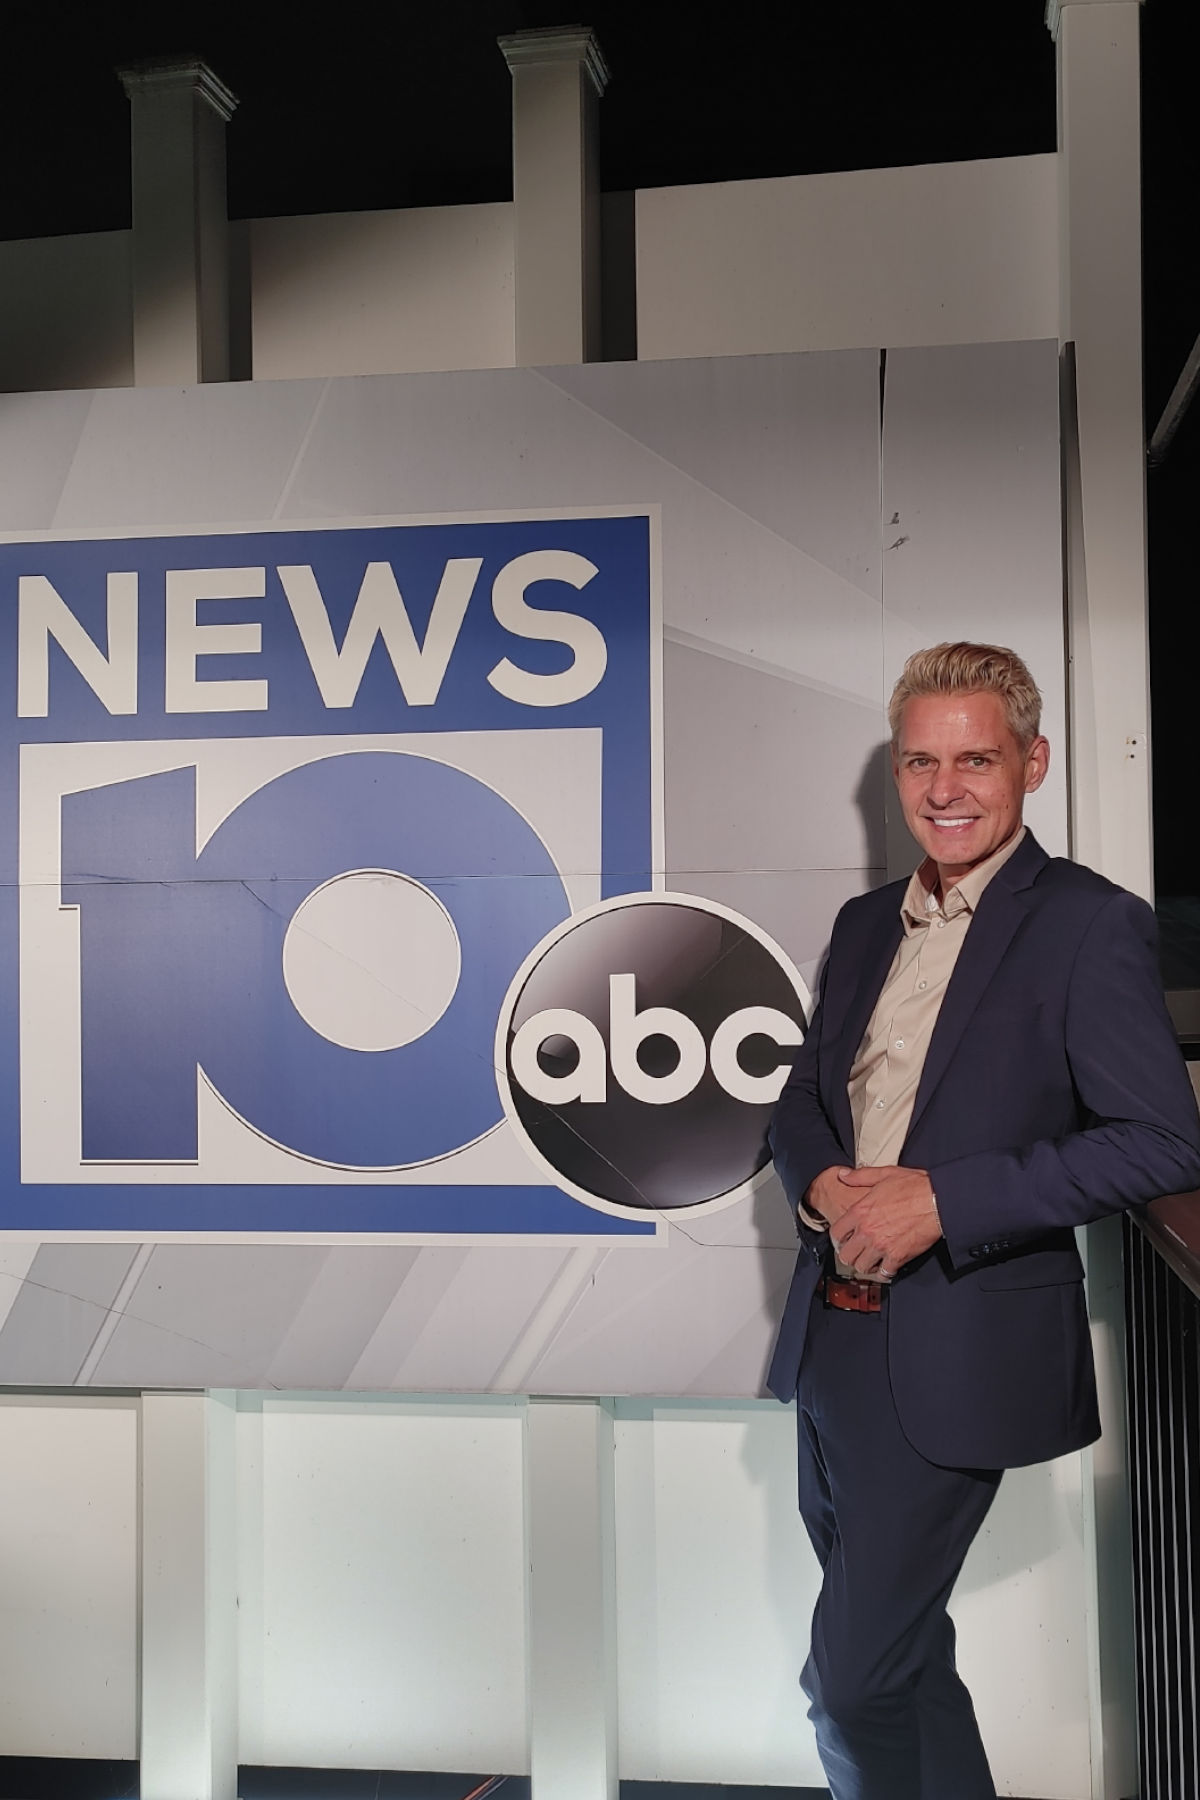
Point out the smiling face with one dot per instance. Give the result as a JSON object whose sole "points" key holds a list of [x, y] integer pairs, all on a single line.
{"points": [[962, 777]]}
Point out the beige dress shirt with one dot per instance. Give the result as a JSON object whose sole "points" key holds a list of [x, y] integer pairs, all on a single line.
{"points": [[887, 1069]]}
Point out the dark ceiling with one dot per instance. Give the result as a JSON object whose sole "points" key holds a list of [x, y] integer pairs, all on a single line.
{"points": [[373, 105]]}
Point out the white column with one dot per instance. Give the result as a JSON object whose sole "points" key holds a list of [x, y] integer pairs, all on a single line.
{"points": [[1104, 470], [558, 78], [1100, 238], [572, 1600], [189, 1597], [180, 231]]}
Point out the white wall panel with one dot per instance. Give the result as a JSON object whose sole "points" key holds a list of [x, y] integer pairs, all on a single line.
{"points": [[389, 1627], [381, 1609], [1020, 1609], [382, 293], [716, 1582], [944, 253], [936, 254], [68, 1578], [715, 1587], [66, 312]]}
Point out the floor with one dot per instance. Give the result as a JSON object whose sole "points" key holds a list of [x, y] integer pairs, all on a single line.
{"points": [[329, 1784], [78, 1778]]}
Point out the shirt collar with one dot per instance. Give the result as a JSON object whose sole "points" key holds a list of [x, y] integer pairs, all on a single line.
{"points": [[964, 896]]}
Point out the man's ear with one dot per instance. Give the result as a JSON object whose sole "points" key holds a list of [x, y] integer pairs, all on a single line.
{"points": [[1037, 762]]}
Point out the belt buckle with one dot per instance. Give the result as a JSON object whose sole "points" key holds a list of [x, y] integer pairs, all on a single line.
{"points": [[845, 1294]]}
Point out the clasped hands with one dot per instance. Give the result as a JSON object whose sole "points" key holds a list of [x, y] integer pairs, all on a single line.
{"points": [[879, 1219]]}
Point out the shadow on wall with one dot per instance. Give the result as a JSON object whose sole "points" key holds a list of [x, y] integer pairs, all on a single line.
{"points": [[775, 1234], [875, 796], [1034, 1517], [773, 1225]]}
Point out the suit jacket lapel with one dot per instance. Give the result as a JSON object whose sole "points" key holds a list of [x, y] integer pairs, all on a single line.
{"points": [[1000, 913], [878, 952]]}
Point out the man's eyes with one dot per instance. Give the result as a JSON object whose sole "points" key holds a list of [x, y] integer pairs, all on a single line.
{"points": [[971, 762]]}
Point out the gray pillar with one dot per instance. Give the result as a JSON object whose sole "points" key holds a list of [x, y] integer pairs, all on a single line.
{"points": [[180, 232], [558, 78], [571, 1600], [189, 1597]]}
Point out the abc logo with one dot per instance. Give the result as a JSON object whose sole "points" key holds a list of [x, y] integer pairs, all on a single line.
{"points": [[642, 1047]]}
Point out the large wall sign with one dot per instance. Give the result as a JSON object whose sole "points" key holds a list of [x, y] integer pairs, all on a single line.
{"points": [[424, 803], [294, 807]]}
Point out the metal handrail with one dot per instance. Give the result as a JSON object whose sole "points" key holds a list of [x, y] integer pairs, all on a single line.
{"points": [[1173, 1227]]}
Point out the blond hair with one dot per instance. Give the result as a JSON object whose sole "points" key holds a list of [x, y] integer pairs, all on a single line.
{"points": [[972, 669]]}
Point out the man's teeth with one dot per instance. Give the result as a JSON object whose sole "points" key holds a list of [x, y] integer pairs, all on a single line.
{"points": [[952, 824]]}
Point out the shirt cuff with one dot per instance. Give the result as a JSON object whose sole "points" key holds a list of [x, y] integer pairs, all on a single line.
{"points": [[814, 1221]]}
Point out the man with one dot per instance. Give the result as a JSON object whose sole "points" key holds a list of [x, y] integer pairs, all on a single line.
{"points": [[991, 1064]]}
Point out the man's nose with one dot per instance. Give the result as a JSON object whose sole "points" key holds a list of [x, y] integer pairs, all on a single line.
{"points": [[946, 787]]}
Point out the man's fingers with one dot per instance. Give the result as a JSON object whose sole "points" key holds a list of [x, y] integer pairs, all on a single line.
{"points": [[889, 1221], [868, 1244], [885, 1251], [859, 1216], [863, 1178], [867, 1263], [859, 1252]]}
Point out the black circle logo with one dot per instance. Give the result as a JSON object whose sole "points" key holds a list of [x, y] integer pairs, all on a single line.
{"points": [[641, 1048]]}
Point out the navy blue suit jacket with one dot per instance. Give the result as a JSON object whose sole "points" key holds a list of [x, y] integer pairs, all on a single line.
{"points": [[1053, 1093]]}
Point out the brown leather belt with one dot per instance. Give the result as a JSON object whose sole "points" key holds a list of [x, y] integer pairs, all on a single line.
{"points": [[851, 1296]]}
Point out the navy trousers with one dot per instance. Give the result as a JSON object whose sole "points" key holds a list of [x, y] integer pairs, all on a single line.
{"points": [[892, 1716]]}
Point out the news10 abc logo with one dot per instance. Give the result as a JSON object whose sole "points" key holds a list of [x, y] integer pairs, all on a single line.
{"points": [[641, 1048]]}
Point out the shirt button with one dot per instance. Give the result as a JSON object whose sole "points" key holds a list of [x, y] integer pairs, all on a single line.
{"points": [[941, 924], [879, 1105], [899, 1043], [922, 984]]}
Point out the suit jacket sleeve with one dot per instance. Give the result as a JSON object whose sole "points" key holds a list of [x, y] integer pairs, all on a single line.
{"points": [[1141, 1136], [802, 1137]]}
